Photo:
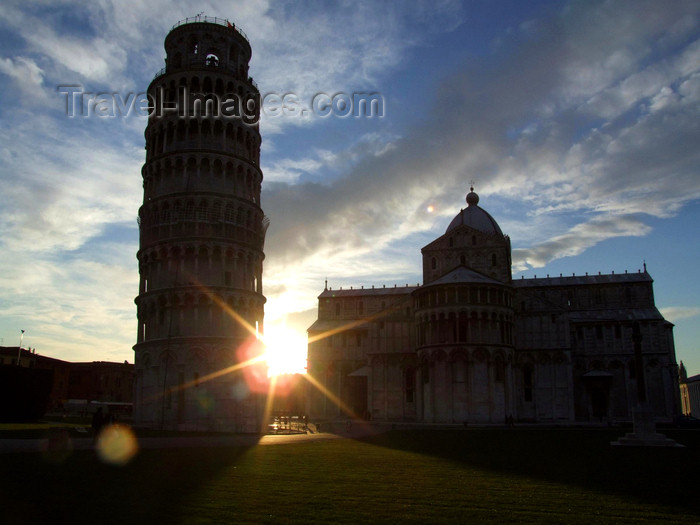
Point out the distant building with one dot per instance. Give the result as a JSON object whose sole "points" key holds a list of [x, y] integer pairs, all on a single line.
{"points": [[97, 381], [690, 393], [472, 345], [102, 381]]}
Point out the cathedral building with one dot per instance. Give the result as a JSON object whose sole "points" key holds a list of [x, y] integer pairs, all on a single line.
{"points": [[473, 345], [202, 231]]}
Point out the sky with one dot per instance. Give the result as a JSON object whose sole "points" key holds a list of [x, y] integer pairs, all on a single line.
{"points": [[578, 122]]}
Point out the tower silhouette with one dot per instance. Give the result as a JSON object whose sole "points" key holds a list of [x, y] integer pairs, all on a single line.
{"points": [[202, 234]]}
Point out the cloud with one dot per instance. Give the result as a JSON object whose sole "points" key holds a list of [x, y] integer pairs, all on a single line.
{"points": [[84, 310], [72, 186], [349, 47], [678, 313], [29, 78], [520, 119], [577, 240], [323, 165]]}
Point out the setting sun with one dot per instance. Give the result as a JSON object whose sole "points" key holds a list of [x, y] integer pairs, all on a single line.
{"points": [[285, 350]]}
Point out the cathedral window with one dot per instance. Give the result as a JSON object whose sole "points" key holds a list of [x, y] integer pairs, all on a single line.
{"points": [[433, 263], [473, 240], [425, 372], [459, 368], [462, 327], [451, 242], [499, 373], [527, 383], [462, 259], [361, 308], [410, 384], [337, 309], [493, 260]]}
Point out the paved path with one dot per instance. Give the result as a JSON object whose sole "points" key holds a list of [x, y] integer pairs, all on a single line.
{"points": [[66, 441]]}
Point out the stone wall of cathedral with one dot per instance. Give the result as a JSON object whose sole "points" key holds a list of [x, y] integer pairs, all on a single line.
{"points": [[473, 346]]}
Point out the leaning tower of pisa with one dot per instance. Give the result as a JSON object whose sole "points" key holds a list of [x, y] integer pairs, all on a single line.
{"points": [[202, 232]]}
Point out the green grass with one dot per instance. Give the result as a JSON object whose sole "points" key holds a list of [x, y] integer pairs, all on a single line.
{"points": [[431, 476]]}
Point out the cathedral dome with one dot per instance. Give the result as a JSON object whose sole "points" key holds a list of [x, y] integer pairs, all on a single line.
{"points": [[475, 217]]}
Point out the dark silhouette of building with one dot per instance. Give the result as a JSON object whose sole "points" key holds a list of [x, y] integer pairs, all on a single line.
{"points": [[202, 234], [690, 393], [473, 345], [62, 385], [101, 381]]}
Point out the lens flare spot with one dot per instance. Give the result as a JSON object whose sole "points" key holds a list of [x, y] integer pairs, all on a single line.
{"points": [[240, 390], [204, 401], [117, 444], [250, 356], [430, 208]]}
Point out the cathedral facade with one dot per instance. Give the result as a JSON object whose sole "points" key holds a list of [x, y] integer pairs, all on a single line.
{"points": [[472, 345]]}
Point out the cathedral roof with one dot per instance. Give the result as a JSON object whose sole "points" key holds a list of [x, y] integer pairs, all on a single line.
{"points": [[615, 314], [462, 274], [475, 217], [342, 325], [356, 292], [614, 278]]}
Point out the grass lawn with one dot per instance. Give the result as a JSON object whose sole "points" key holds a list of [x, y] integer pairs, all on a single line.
{"points": [[435, 476]]}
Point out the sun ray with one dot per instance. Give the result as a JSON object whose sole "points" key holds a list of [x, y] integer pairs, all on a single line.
{"points": [[269, 400], [230, 311], [228, 370], [353, 324]]}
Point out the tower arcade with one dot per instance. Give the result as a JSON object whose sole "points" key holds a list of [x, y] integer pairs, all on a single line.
{"points": [[202, 234]]}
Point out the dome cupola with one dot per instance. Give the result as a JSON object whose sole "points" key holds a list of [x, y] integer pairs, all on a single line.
{"points": [[475, 217]]}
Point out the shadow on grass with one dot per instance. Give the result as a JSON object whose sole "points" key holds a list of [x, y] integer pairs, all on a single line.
{"points": [[152, 488], [578, 457]]}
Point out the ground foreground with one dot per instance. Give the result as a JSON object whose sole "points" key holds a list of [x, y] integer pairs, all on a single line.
{"points": [[427, 476]]}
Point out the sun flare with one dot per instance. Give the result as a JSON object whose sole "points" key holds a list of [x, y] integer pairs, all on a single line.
{"points": [[285, 350]]}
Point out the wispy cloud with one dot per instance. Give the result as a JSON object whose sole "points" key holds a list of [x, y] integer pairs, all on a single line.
{"points": [[28, 77], [678, 313], [564, 160]]}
